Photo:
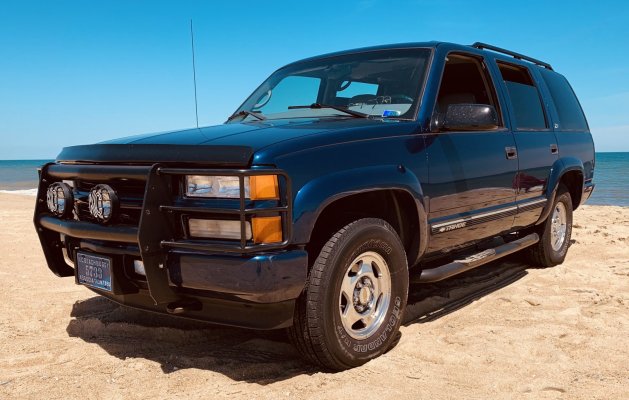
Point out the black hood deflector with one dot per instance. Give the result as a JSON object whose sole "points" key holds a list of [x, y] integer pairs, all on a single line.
{"points": [[229, 156]]}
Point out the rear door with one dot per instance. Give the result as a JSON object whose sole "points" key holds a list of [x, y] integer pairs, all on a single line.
{"points": [[471, 176], [535, 140]]}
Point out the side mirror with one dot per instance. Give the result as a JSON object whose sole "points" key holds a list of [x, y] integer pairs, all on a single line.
{"points": [[470, 117]]}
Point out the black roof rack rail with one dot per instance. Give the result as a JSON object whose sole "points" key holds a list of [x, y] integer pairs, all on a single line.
{"points": [[480, 45]]}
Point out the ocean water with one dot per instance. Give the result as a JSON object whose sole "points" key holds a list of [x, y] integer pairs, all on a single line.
{"points": [[611, 177], [20, 176]]}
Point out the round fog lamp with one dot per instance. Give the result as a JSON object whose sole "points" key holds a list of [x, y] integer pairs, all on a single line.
{"points": [[102, 203], [59, 199]]}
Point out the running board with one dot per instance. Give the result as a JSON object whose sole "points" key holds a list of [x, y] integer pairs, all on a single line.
{"points": [[475, 260]]}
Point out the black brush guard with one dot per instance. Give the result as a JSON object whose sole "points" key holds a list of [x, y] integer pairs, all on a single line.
{"points": [[155, 234]]}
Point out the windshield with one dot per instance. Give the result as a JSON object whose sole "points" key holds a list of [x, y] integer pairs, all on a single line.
{"points": [[384, 83]]}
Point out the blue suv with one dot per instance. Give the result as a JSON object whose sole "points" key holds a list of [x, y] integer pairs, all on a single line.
{"points": [[341, 179]]}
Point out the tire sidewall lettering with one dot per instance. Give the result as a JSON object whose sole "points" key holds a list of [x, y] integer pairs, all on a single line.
{"points": [[359, 349], [375, 244], [382, 337]]}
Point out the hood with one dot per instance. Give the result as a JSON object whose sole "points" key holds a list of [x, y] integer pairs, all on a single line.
{"points": [[227, 144]]}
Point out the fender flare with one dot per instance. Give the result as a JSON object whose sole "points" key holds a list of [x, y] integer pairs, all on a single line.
{"points": [[314, 196], [559, 168]]}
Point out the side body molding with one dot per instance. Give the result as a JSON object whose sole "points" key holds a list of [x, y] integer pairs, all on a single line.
{"points": [[313, 197]]}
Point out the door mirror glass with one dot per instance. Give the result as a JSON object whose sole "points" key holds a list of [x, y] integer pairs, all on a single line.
{"points": [[470, 117]]}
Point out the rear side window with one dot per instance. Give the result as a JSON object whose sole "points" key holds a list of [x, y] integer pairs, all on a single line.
{"points": [[525, 99], [570, 113]]}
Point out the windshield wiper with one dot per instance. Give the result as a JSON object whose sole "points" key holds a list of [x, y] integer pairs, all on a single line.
{"points": [[245, 113], [337, 108]]}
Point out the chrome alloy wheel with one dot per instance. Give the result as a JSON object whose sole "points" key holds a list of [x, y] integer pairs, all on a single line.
{"points": [[558, 226], [365, 295]]}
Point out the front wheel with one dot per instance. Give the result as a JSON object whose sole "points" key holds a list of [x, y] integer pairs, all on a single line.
{"points": [[351, 308], [555, 233]]}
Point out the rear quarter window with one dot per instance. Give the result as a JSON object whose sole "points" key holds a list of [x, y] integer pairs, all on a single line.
{"points": [[569, 110]]}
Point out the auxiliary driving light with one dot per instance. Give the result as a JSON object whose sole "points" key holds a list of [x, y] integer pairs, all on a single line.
{"points": [[59, 199], [102, 202]]}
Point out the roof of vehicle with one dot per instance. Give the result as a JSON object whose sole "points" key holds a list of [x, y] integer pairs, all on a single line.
{"points": [[410, 45], [431, 44]]}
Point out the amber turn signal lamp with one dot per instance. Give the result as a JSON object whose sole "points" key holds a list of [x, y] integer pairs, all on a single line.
{"points": [[264, 187], [267, 229]]}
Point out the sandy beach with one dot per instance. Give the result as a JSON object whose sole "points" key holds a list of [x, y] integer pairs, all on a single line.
{"points": [[506, 330]]}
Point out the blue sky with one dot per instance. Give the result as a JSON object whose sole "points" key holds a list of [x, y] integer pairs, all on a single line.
{"points": [[79, 72]]}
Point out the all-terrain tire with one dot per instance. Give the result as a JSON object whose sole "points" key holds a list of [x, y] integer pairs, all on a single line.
{"points": [[362, 266]]}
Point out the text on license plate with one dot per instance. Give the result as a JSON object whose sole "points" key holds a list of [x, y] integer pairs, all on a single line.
{"points": [[93, 270]]}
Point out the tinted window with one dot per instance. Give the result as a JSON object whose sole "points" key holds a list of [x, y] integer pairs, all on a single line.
{"points": [[525, 100], [570, 113]]}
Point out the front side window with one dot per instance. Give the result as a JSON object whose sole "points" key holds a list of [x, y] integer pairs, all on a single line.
{"points": [[465, 81], [526, 102], [384, 83]]}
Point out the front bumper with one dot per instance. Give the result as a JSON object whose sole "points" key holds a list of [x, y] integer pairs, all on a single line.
{"points": [[253, 286], [255, 292]]}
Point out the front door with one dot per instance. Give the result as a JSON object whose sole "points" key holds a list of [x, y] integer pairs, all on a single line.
{"points": [[472, 176]]}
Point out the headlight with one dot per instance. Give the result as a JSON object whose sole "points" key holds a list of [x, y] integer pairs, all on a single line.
{"points": [[59, 199], [215, 186], [257, 187]]}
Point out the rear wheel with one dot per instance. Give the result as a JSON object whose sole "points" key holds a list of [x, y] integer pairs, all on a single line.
{"points": [[351, 308], [555, 233]]}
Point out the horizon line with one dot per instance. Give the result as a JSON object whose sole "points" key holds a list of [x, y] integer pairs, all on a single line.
{"points": [[52, 159]]}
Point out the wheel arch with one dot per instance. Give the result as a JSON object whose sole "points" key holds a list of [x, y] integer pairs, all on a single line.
{"points": [[567, 171], [389, 192]]}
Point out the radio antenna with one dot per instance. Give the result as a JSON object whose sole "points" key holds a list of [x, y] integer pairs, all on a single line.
{"points": [[194, 75]]}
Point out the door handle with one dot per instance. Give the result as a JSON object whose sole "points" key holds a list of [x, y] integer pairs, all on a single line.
{"points": [[512, 153], [554, 149]]}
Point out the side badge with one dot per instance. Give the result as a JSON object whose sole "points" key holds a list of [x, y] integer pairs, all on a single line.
{"points": [[452, 227]]}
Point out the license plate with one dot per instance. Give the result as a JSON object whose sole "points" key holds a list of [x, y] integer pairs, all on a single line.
{"points": [[94, 271]]}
